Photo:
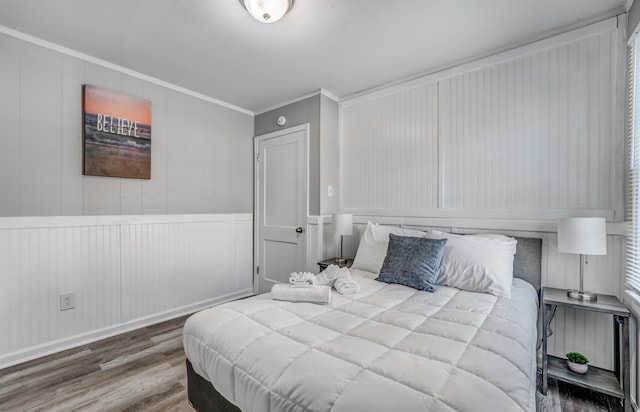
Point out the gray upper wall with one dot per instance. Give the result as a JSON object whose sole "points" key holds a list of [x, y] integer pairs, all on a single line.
{"points": [[633, 18], [201, 152], [329, 155], [298, 113], [321, 113]]}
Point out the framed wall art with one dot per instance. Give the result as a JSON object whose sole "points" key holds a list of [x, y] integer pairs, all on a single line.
{"points": [[117, 134]]}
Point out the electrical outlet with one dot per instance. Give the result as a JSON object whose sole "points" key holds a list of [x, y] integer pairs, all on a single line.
{"points": [[67, 301]]}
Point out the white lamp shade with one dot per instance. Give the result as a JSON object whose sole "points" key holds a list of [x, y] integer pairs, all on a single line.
{"points": [[582, 235], [267, 11], [342, 224]]}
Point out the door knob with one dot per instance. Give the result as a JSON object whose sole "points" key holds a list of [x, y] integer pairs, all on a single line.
{"points": [[299, 229]]}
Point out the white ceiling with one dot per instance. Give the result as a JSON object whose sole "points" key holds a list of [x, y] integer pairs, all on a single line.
{"points": [[214, 47]]}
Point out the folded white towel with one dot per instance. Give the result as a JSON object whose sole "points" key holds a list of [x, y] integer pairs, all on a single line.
{"points": [[344, 284], [302, 278], [310, 293], [327, 276]]}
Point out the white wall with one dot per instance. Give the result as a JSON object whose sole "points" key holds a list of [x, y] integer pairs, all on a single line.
{"points": [[508, 143], [201, 158], [125, 271], [536, 132]]}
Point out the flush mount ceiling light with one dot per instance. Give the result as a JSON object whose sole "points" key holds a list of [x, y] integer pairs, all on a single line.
{"points": [[267, 11]]}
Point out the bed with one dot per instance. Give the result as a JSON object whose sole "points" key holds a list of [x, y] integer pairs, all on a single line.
{"points": [[390, 347]]}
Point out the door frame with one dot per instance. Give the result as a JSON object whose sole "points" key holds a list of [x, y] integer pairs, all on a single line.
{"points": [[256, 194]]}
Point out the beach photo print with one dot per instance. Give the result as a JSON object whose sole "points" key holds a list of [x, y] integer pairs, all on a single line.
{"points": [[117, 134]]}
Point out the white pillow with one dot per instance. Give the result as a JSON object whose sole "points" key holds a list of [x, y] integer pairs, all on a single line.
{"points": [[478, 263], [373, 246]]}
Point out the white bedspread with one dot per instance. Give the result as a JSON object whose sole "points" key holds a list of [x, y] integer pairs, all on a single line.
{"points": [[388, 348]]}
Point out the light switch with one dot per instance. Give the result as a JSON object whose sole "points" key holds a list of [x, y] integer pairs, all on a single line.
{"points": [[330, 191]]}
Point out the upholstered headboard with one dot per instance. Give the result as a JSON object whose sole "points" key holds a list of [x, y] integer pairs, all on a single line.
{"points": [[527, 263]]}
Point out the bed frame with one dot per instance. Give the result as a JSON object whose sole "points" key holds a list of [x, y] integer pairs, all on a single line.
{"points": [[203, 396]]}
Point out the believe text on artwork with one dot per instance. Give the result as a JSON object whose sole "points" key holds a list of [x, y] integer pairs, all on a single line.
{"points": [[117, 125]]}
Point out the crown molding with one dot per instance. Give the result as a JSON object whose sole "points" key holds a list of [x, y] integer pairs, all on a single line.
{"points": [[549, 38], [94, 60], [322, 92]]}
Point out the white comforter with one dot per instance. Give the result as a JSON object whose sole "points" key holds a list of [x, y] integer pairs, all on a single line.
{"points": [[389, 348]]}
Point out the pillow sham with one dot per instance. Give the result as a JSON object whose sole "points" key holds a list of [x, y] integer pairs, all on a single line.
{"points": [[478, 263], [373, 246], [412, 261]]}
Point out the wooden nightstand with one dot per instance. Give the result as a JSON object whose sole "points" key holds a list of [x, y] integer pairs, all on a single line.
{"points": [[323, 265], [615, 383]]}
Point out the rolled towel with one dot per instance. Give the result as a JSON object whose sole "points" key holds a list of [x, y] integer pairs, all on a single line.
{"points": [[302, 278], [310, 293], [344, 284], [327, 276]]}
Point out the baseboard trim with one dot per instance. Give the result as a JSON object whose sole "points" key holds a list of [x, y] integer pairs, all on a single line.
{"points": [[48, 348]]}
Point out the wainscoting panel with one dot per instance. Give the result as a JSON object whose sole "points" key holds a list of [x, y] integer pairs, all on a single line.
{"points": [[39, 264], [125, 272], [390, 152], [314, 243], [167, 265], [531, 133], [321, 244]]}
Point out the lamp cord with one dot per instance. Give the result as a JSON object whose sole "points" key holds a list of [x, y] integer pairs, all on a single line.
{"points": [[549, 330]]}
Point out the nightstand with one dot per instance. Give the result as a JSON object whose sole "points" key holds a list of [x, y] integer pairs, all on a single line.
{"points": [[615, 383], [323, 265]]}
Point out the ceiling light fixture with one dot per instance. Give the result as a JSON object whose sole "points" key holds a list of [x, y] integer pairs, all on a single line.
{"points": [[267, 11]]}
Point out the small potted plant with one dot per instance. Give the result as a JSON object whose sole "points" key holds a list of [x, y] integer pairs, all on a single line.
{"points": [[577, 362]]}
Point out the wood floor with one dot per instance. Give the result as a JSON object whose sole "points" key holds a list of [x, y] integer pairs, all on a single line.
{"points": [[144, 370], [563, 397], [141, 370]]}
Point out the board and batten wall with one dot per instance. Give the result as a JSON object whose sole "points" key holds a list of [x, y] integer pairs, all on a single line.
{"points": [[126, 272], [507, 143], [133, 251]]}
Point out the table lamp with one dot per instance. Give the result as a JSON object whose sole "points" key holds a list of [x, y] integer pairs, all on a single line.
{"points": [[583, 236], [342, 226]]}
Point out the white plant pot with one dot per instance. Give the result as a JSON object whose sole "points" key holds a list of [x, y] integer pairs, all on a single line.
{"points": [[578, 367]]}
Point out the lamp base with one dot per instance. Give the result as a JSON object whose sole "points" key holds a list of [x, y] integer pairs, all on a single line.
{"points": [[341, 261], [580, 295]]}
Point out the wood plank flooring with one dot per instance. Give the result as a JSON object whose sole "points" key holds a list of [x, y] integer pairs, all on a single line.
{"points": [[144, 370], [563, 397]]}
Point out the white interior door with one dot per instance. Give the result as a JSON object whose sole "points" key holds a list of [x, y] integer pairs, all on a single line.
{"points": [[281, 176]]}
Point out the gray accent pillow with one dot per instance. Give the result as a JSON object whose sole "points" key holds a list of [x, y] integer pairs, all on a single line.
{"points": [[412, 261]]}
